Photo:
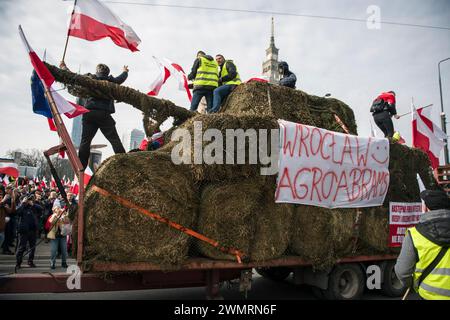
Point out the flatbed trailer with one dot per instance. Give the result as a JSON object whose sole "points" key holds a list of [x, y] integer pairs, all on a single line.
{"points": [[345, 280]]}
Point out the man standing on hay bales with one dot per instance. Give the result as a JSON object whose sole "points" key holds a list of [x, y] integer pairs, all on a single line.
{"points": [[229, 79], [99, 115], [205, 75], [383, 108], [425, 257], [288, 78]]}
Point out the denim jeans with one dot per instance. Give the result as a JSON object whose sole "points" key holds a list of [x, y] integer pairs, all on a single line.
{"points": [[198, 95], [54, 244], [2, 237], [221, 94]]}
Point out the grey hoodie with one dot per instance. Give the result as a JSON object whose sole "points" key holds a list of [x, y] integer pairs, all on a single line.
{"points": [[433, 225]]}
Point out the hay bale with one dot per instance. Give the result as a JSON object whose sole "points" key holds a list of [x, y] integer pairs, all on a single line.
{"points": [[321, 236], [237, 205], [204, 172], [375, 229], [243, 215], [288, 104], [343, 222], [149, 180], [404, 165]]}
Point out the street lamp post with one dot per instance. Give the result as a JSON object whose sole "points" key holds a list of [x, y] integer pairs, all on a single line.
{"points": [[443, 124]]}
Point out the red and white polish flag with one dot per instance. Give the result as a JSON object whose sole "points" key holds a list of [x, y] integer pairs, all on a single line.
{"points": [[9, 168], [181, 77], [87, 175], [426, 135], [53, 183], [92, 21], [41, 70], [168, 68], [70, 109], [162, 77], [44, 182], [5, 181], [74, 187]]}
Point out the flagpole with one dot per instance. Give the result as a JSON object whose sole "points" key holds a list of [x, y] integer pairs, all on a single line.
{"points": [[77, 166], [68, 30], [430, 105]]}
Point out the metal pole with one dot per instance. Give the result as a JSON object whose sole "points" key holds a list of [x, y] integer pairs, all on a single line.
{"points": [[68, 31], [443, 120], [404, 114]]}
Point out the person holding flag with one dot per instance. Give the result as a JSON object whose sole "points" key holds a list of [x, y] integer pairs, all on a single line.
{"points": [[383, 108], [99, 116]]}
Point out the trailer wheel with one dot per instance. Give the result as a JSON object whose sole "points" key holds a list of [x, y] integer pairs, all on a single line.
{"points": [[346, 282], [275, 273], [391, 285]]}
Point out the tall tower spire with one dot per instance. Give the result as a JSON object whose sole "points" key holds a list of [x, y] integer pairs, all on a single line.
{"points": [[270, 66], [272, 37]]}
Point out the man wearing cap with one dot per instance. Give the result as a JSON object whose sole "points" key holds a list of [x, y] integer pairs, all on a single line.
{"points": [[424, 260], [99, 115]]}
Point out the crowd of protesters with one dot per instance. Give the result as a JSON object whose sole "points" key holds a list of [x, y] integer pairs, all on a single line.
{"points": [[29, 215]]}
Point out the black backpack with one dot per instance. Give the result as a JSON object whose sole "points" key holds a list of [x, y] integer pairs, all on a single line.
{"points": [[378, 105]]}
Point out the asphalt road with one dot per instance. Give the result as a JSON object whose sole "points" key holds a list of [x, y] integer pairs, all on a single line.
{"points": [[262, 289]]}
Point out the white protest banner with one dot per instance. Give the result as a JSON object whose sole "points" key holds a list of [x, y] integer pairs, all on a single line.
{"points": [[402, 216], [330, 169]]}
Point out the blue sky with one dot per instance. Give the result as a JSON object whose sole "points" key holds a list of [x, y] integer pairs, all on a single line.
{"points": [[343, 58]]}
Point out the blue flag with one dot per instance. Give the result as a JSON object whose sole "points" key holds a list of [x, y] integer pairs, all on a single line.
{"points": [[40, 104]]}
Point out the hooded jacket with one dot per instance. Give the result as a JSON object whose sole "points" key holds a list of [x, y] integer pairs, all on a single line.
{"points": [[28, 217], [288, 78], [433, 225], [388, 101]]}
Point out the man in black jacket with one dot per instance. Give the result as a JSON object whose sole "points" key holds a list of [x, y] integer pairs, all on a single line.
{"points": [[288, 78], [229, 79], [28, 213], [99, 115]]}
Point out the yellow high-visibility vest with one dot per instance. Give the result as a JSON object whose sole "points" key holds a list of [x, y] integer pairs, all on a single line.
{"points": [[207, 73], [224, 73], [436, 286]]}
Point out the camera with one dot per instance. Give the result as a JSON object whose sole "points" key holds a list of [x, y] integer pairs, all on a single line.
{"points": [[28, 198]]}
